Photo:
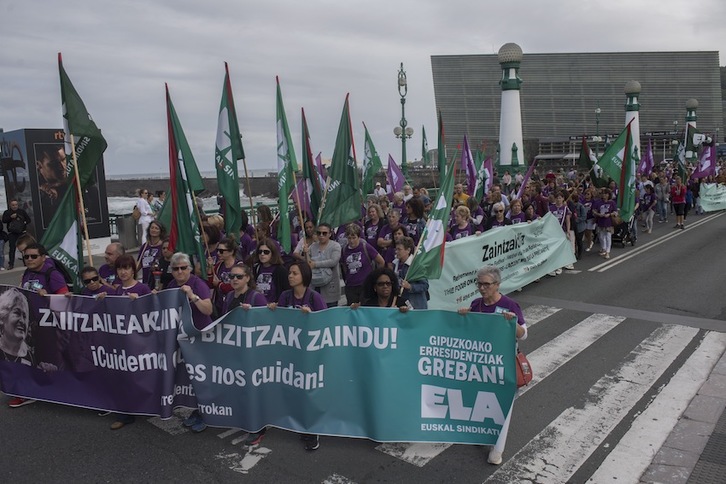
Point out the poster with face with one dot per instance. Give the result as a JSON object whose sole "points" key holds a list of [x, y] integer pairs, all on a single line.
{"points": [[37, 170]]}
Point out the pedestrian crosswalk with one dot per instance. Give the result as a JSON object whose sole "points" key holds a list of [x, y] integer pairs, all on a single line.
{"points": [[641, 392]]}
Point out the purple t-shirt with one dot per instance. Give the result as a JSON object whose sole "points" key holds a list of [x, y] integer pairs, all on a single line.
{"points": [[504, 304], [148, 255], [647, 200], [101, 289], [358, 262], [311, 298], [48, 278], [520, 218], [371, 232], [266, 282], [388, 253], [247, 247], [459, 233], [200, 288], [561, 213], [222, 273], [138, 288], [108, 273], [414, 228], [251, 297], [604, 208]]}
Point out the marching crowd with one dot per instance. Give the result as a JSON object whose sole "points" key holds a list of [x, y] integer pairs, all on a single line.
{"points": [[368, 258]]}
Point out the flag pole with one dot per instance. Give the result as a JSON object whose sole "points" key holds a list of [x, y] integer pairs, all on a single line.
{"points": [[253, 213], [80, 200], [201, 229], [299, 209], [325, 196]]}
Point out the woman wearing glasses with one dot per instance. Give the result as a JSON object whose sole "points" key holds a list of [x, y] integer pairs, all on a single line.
{"points": [[325, 255], [93, 285], [491, 301], [381, 290], [243, 293], [226, 260], [498, 220], [270, 273], [199, 295]]}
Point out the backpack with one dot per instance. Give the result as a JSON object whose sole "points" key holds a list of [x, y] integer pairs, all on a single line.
{"points": [[289, 298], [57, 266]]}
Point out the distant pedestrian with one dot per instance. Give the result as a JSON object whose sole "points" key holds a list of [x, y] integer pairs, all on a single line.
{"points": [[147, 214], [16, 219]]}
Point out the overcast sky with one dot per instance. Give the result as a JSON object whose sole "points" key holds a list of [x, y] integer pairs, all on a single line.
{"points": [[119, 55]]}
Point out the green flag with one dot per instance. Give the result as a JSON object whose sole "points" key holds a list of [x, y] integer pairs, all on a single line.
{"points": [[62, 239], [424, 147], [286, 167], [228, 150], [619, 164], [429, 257], [312, 179], [481, 175], [371, 163], [179, 215], [342, 201]]}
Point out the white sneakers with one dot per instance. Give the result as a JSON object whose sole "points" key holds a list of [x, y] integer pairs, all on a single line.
{"points": [[495, 457]]}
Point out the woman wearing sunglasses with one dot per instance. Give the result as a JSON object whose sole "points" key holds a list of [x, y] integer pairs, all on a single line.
{"points": [[219, 280], [270, 273], [243, 293], [200, 298], [498, 220], [93, 285], [492, 301], [381, 290]]}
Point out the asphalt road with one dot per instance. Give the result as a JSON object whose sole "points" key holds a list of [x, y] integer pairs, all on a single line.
{"points": [[605, 342]]}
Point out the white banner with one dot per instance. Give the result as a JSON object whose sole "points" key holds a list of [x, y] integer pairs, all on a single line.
{"points": [[713, 197], [523, 252]]}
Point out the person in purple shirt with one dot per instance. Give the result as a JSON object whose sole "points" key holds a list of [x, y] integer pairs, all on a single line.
{"points": [[605, 210], [243, 293], [302, 296], [219, 280], [386, 242], [93, 285], [373, 225], [270, 273], [415, 221], [491, 301], [498, 220], [200, 298], [108, 271], [476, 217], [648, 204], [359, 259], [462, 227], [131, 288], [247, 245], [516, 215], [150, 251], [41, 274]]}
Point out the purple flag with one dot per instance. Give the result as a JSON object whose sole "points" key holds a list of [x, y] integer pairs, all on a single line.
{"points": [[469, 168], [646, 162], [394, 178], [707, 163], [301, 196], [322, 172], [527, 176]]}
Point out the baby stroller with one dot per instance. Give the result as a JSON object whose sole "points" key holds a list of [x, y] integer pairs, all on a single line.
{"points": [[625, 232]]}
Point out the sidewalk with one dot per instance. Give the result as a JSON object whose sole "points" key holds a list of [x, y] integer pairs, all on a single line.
{"points": [[695, 451]]}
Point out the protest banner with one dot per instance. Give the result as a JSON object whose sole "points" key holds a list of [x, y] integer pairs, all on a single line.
{"points": [[523, 253], [423, 376], [112, 354], [713, 197]]}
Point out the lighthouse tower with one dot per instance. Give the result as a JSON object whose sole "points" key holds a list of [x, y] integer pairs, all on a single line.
{"points": [[632, 108], [691, 118], [511, 151]]}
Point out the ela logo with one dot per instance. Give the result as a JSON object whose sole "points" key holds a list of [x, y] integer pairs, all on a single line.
{"points": [[436, 402]]}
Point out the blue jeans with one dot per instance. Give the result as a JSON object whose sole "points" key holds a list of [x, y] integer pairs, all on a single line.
{"points": [[662, 210]]}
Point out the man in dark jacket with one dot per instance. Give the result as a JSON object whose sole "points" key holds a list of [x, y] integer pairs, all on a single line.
{"points": [[16, 219]]}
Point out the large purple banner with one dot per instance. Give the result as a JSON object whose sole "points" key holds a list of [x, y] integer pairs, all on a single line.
{"points": [[112, 353]]}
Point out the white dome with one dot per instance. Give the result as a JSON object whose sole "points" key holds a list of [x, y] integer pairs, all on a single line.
{"points": [[510, 52]]}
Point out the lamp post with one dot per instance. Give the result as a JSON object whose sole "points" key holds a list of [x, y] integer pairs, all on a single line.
{"points": [[597, 130], [402, 130]]}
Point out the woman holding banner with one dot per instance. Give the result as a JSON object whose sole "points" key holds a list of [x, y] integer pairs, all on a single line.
{"points": [[301, 295], [381, 290], [200, 298], [415, 291], [491, 301]]}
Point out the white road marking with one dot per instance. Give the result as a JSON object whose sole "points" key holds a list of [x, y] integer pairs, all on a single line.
{"points": [[420, 454], [547, 358], [537, 312], [229, 432], [562, 447], [635, 451], [243, 464], [338, 479], [240, 439]]}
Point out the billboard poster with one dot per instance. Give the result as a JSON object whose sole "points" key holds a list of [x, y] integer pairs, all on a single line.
{"points": [[39, 159]]}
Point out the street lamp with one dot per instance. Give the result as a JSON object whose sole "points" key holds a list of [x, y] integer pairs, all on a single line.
{"points": [[402, 130], [597, 130]]}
